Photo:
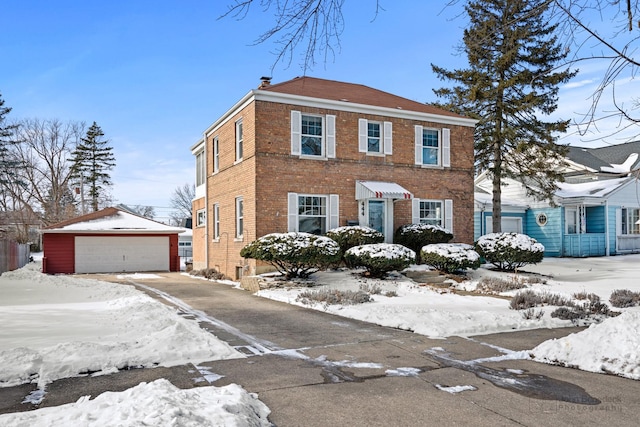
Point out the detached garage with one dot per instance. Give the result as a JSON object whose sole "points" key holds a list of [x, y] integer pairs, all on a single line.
{"points": [[110, 241]]}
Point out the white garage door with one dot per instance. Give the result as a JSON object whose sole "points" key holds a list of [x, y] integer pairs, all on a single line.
{"points": [[105, 254]]}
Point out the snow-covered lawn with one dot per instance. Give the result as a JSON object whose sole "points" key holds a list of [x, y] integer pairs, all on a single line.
{"points": [[439, 312], [60, 326]]}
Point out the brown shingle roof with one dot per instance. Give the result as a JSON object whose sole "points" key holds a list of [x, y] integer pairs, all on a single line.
{"points": [[350, 92]]}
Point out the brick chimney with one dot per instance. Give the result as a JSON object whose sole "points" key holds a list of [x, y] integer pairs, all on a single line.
{"points": [[264, 82]]}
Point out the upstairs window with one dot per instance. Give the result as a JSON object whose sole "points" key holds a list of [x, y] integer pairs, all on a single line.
{"points": [[239, 140], [313, 135], [432, 146], [216, 155], [374, 137], [201, 168]]}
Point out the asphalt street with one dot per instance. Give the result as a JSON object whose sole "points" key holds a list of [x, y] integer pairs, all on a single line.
{"points": [[317, 369]]}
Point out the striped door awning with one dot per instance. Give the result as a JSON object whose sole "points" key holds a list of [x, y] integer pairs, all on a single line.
{"points": [[381, 190]]}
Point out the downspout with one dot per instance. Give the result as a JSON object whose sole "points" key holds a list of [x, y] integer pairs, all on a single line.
{"points": [[606, 228]]}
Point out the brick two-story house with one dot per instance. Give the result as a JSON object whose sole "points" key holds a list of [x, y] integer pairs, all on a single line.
{"points": [[310, 154]]}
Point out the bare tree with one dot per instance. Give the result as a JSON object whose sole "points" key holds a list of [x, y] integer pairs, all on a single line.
{"points": [[315, 26], [44, 148], [181, 200], [606, 30], [144, 211]]}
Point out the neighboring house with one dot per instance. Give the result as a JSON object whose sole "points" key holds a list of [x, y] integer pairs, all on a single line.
{"points": [[184, 244], [597, 208], [23, 226], [310, 154], [108, 241]]}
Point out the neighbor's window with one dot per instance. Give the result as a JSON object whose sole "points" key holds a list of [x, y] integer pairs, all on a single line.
{"points": [[312, 214], [216, 155], [239, 217], [630, 217], [201, 217], [239, 140], [430, 147], [311, 136], [216, 221], [431, 212], [201, 169]]}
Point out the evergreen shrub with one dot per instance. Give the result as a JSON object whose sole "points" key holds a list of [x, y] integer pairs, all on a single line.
{"points": [[450, 257], [294, 254], [380, 258], [509, 251], [415, 236], [348, 237]]}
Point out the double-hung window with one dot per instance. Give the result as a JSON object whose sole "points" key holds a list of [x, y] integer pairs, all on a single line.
{"points": [[239, 217], [201, 168], [630, 218], [313, 135], [374, 137], [239, 140], [216, 155], [313, 213], [432, 146], [216, 221], [433, 212]]}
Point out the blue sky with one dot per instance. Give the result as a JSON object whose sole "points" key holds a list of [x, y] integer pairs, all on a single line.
{"points": [[155, 74]]}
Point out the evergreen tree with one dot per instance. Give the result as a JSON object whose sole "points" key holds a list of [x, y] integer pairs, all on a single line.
{"points": [[7, 134], [511, 81], [91, 161]]}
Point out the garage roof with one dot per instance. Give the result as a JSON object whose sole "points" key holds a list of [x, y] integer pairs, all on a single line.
{"points": [[112, 221]]}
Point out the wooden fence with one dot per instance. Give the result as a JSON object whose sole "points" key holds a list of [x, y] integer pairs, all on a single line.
{"points": [[13, 255]]}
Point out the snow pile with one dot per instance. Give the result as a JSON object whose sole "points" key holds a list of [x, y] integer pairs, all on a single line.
{"points": [[420, 227], [60, 326], [158, 403], [610, 347]]}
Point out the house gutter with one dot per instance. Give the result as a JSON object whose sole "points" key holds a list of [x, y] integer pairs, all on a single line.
{"points": [[206, 202]]}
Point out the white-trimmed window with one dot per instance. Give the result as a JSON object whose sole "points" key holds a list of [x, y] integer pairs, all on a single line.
{"points": [[571, 220], [434, 212], [216, 221], [630, 218], [201, 169], [313, 213], [201, 217], [239, 217], [239, 140], [216, 155], [374, 137], [432, 146], [313, 135]]}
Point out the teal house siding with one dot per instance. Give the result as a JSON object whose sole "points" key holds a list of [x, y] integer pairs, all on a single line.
{"points": [[611, 224], [595, 219], [550, 234], [477, 225]]}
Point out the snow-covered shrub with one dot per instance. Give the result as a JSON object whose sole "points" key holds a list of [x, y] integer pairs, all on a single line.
{"points": [[509, 251], [624, 298], [415, 236], [349, 236], [294, 254], [380, 258], [450, 257], [334, 296]]}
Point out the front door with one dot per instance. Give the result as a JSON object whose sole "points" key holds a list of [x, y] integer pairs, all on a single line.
{"points": [[376, 215]]}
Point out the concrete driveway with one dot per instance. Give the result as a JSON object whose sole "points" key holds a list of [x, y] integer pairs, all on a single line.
{"points": [[316, 369]]}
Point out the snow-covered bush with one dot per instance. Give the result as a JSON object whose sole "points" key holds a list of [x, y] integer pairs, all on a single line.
{"points": [[450, 257], [415, 236], [380, 258], [509, 251], [294, 254], [624, 298], [349, 236]]}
